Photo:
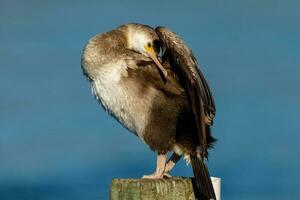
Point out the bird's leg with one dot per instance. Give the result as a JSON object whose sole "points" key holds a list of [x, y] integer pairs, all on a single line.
{"points": [[160, 167], [170, 164]]}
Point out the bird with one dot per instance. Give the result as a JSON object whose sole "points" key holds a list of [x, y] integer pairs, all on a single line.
{"points": [[149, 80]]}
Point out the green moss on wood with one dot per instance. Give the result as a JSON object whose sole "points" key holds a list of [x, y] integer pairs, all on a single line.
{"points": [[176, 188]]}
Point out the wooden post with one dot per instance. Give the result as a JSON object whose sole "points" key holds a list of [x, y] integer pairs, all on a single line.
{"points": [[176, 188]]}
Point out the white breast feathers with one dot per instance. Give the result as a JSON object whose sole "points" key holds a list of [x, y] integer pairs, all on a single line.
{"points": [[120, 98]]}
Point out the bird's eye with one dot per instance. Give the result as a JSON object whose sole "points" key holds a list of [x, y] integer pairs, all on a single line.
{"points": [[149, 44]]}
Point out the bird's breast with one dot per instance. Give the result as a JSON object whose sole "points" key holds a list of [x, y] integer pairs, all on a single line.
{"points": [[121, 96]]}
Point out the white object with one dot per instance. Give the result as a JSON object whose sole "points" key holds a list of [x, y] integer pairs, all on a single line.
{"points": [[217, 186]]}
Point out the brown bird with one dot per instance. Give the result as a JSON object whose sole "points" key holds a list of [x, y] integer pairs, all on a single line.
{"points": [[164, 100]]}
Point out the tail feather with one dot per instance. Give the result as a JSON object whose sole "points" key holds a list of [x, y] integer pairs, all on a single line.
{"points": [[203, 185]]}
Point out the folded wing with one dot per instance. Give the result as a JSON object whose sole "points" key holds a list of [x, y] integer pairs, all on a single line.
{"points": [[186, 67]]}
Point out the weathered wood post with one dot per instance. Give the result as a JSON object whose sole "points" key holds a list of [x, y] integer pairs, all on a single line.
{"points": [[176, 188]]}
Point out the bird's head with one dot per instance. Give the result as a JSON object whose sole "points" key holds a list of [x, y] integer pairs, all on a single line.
{"points": [[144, 40]]}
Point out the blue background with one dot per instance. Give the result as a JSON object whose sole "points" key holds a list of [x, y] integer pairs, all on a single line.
{"points": [[57, 143]]}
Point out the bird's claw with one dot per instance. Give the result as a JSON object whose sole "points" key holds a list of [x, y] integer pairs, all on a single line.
{"points": [[166, 175], [157, 176], [153, 176]]}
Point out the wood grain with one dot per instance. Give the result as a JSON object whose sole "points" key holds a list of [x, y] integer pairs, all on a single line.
{"points": [[176, 188]]}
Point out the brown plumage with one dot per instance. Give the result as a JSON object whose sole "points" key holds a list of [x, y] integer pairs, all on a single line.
{"points": [[170, 107], [185, 65]]}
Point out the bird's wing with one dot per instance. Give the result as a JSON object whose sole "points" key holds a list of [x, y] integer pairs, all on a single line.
{"points": [[185, 64]]}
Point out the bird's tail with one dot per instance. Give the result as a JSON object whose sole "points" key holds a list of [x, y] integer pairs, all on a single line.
{"points": [[203, 184]]}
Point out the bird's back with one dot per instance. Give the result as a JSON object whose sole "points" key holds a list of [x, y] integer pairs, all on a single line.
{"points": [[100, 50]]}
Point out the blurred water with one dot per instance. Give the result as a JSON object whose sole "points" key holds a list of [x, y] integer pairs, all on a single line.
{"points": [[56, 142]]}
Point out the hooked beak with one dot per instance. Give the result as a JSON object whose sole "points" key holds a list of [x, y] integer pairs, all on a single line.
{"points": [[151, 53]]}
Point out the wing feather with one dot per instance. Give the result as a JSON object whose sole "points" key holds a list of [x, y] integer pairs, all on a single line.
{"points": [[185, 65]]}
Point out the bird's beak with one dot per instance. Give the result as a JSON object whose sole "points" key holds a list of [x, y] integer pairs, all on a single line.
{"points": [[151, 53]]}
